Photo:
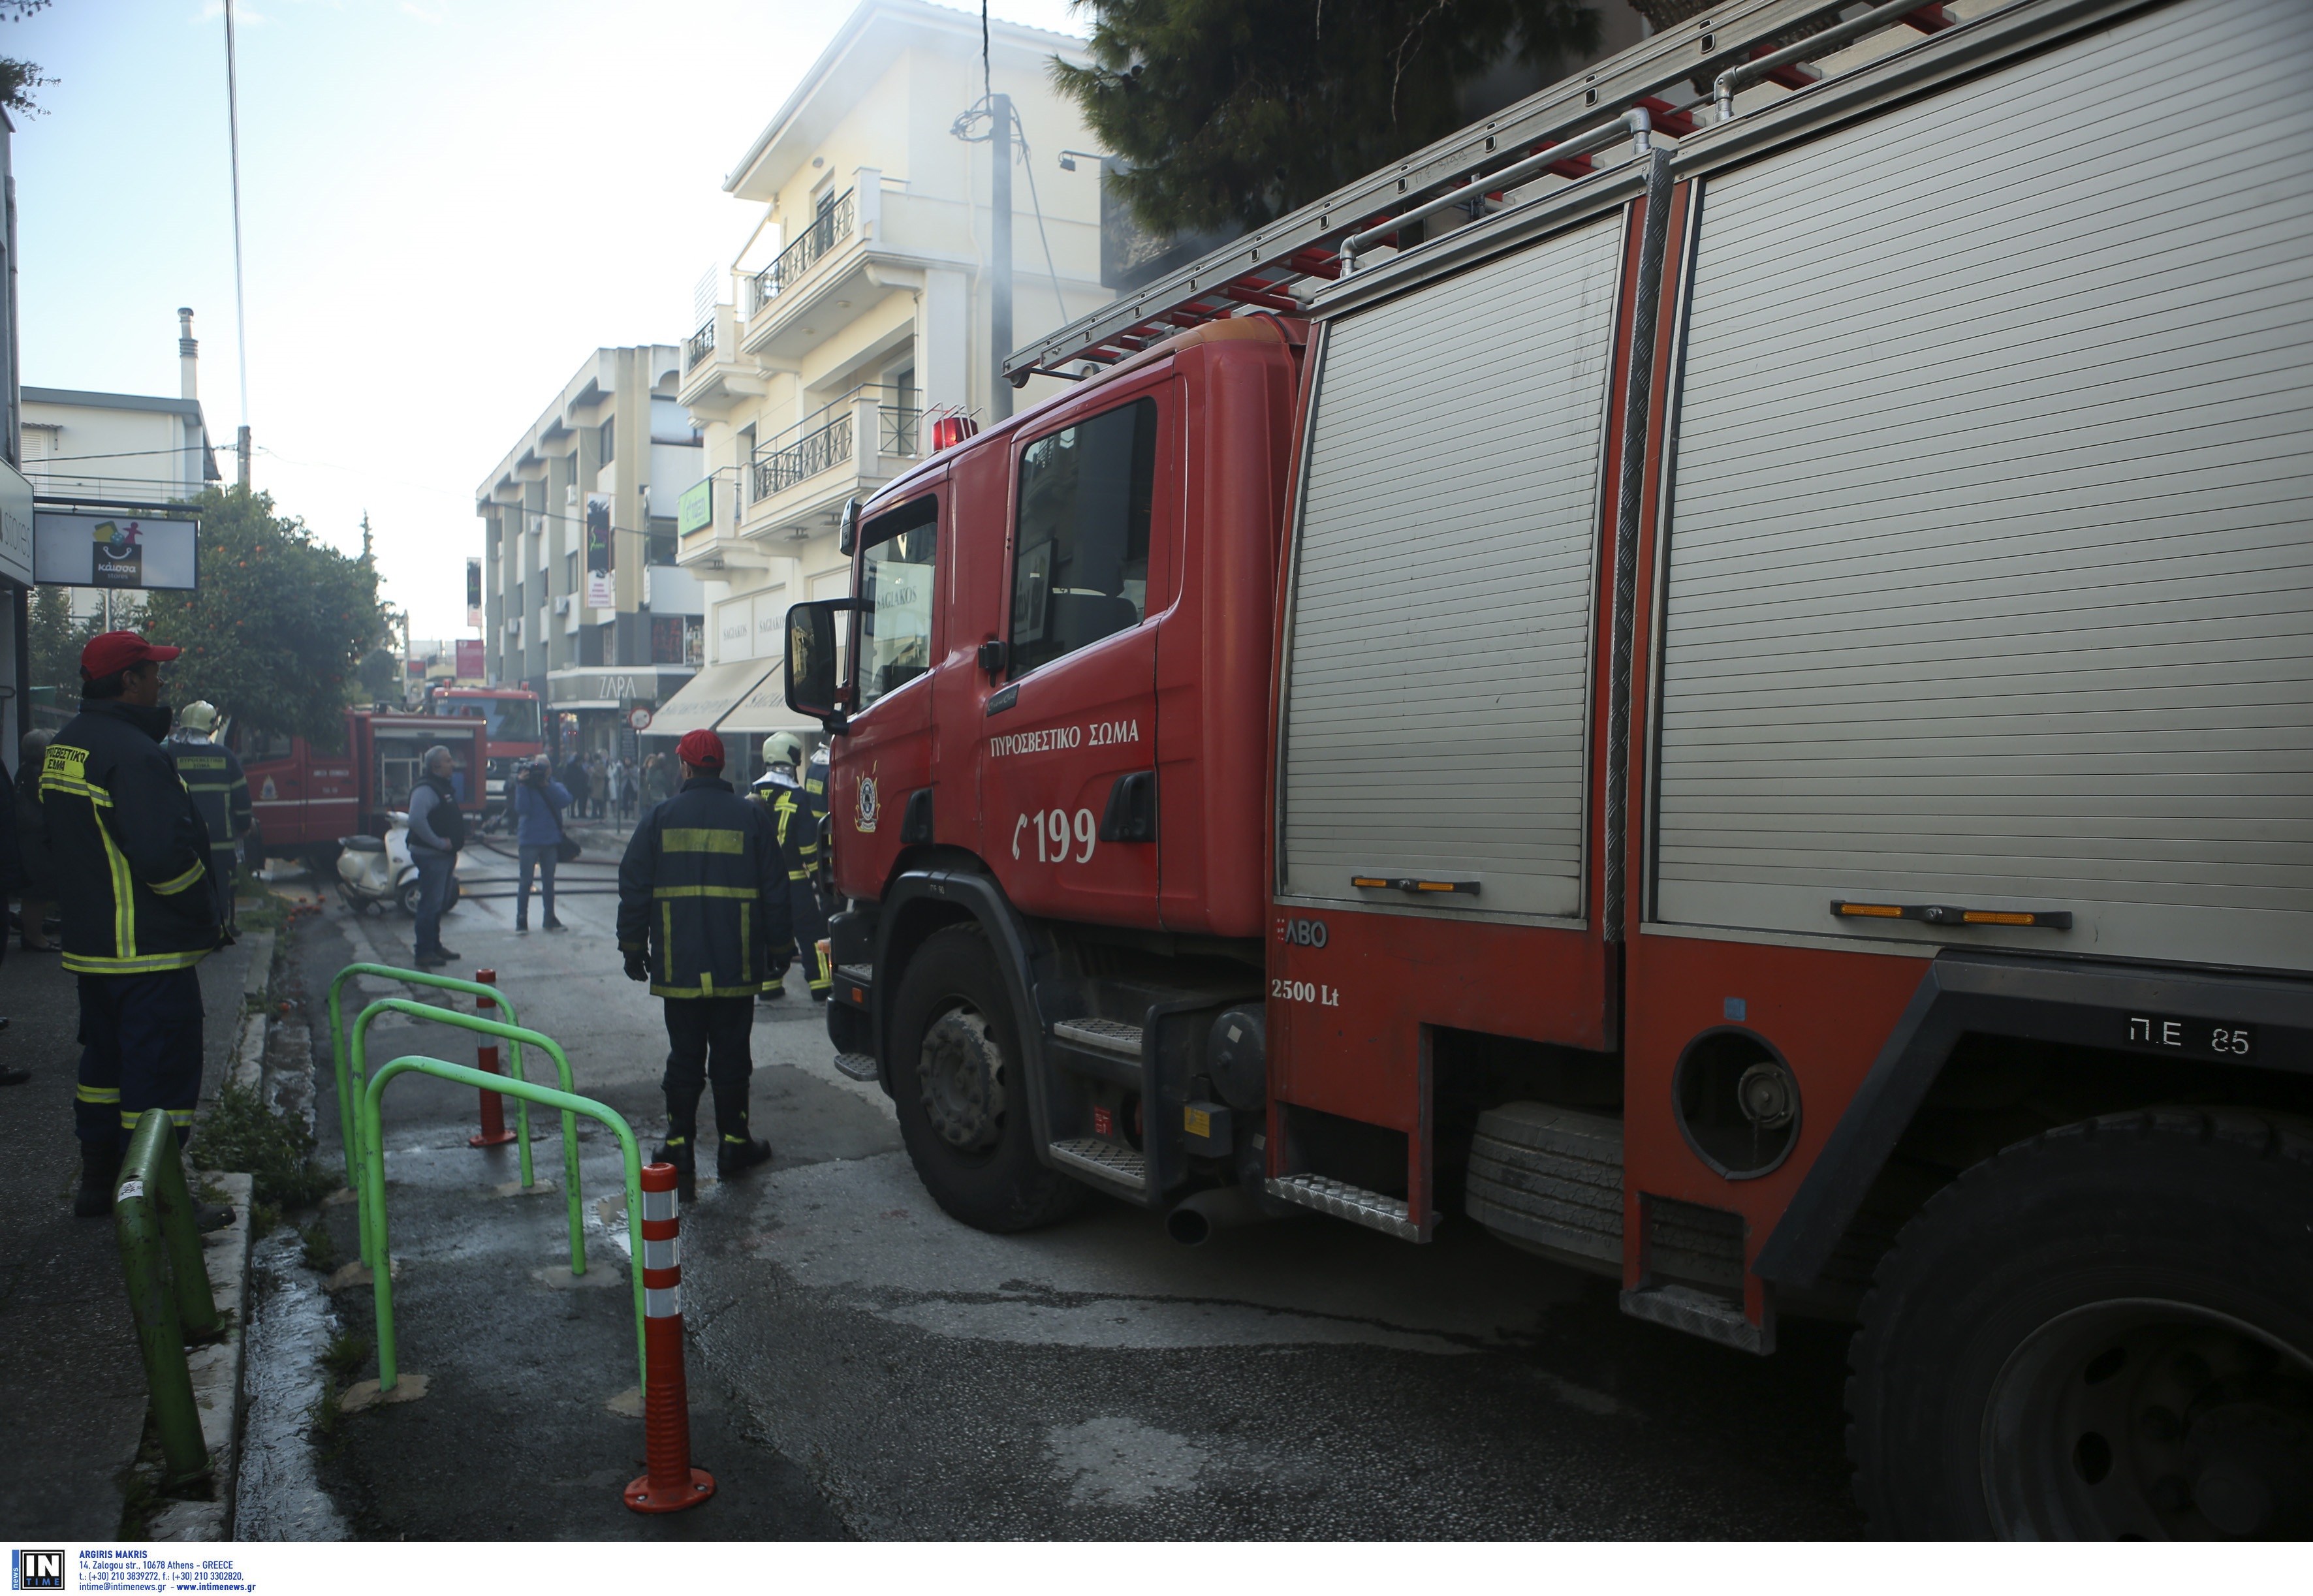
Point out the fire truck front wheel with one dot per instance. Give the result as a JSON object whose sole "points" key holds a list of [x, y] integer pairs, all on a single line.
{"points": [[2104, 1332], [958, 1086]]}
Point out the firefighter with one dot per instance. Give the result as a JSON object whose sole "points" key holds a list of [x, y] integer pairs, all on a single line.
{"points": [[779, 790], [136, 875], [703, 917], [213, 776]]}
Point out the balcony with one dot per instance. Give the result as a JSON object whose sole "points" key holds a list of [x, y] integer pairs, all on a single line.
{"points": [[829, 273], [851, 447], [834, 224], [713, 379]]}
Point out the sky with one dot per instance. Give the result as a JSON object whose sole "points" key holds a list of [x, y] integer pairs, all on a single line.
{"points": [[445, 206]]}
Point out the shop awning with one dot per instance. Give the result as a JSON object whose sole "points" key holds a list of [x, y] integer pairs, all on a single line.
{"points": [[707, 697], [765, 708]]}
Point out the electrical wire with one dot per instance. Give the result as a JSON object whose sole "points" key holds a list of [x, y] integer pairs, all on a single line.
{"points": [[1052, 271], [232, 121]]}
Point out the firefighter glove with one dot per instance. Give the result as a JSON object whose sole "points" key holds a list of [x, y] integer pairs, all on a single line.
{"points": [[638, 968]]}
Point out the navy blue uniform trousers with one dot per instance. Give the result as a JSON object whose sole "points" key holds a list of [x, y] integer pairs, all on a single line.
{"points": [[140, 1048]]}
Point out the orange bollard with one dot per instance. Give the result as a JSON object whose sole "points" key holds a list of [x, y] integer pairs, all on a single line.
{"points": [[673, 1484], [494, 1131]]}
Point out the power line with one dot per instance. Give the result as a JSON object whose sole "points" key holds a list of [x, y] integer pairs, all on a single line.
{"points": [[240, 303], [1027, 163]]}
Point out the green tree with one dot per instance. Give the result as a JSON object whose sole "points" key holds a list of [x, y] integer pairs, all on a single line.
{"points": [[1229, 113], [55, 640], [381, 671], [18, 79], [273, 634]]}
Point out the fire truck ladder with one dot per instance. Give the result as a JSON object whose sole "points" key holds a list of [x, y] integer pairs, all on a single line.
{"points": [[1555, 133]]}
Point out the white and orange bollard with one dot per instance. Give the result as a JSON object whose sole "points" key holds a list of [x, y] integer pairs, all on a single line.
{"points": [[673, 1484], [494, 1133]]}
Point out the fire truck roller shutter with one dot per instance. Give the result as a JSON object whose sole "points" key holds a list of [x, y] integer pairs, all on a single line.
{"points": [[1988, 565], [1440, 640]]}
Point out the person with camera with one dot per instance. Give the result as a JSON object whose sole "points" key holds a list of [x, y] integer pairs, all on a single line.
{"points": [[539, 804]]}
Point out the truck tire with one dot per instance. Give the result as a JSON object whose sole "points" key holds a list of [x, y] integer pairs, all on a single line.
{"points": [[958, 1084], [2104, 1332]]}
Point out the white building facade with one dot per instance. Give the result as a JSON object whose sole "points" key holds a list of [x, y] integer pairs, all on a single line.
{"points": [[860, 309]]}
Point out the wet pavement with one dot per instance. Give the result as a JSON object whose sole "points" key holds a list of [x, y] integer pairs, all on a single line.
{"points": [[859, 1364]]}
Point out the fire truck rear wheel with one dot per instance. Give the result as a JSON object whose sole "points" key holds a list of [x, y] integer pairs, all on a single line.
{"points": [[2104, 1332], [957, 1084]]}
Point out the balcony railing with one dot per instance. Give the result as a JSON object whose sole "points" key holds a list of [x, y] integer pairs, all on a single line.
{"points": [[701, 346], [831, 227], [807, 456], [825, 439]]}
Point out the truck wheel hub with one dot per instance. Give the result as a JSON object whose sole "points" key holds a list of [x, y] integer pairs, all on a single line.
{"points": [[960, 1081], [2152, 1420]]}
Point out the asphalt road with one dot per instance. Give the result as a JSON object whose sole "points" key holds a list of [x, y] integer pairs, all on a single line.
{"points": [[859, 1364]]}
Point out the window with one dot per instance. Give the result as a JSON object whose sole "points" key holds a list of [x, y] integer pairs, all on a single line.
{"points": [[659, 543], [667, 639], [610, 440], [570, 572], [1080, 565], [895, 590]]}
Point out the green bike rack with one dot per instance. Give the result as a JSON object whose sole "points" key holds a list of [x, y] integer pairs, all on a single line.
{"points": [[374, 1175], [357, 1052], [168, 1286], [349, 1096]]}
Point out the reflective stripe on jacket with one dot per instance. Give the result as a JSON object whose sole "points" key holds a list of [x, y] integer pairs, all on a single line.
{"points": [[134, 873], [213, 776], [703, 890]]}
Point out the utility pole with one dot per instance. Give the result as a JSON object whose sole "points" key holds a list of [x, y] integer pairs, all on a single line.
{"points": [[999, 255]]}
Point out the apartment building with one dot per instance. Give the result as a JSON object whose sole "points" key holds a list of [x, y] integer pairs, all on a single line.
{"points": [[862, 306], [582, 600]]}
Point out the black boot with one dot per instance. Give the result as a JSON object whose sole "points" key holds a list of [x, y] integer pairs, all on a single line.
{"points": [[99, 1172], [685, 1160], [734, 1158]]}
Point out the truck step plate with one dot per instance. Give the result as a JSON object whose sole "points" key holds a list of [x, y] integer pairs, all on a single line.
{"points": [[859, 1066], [1105, 1160], [1344, 1201], [1104, 1036], [1700, 1313]]}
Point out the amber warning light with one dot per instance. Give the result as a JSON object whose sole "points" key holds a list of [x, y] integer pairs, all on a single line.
{"points": [[1943, 914]]}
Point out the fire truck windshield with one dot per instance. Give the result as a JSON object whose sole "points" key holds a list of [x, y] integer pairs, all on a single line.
{"points": [[508, 720]]}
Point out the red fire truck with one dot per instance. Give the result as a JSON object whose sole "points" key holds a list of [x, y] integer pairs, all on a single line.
{"points": [[514, 729], [305, 798], [1720, 689]]}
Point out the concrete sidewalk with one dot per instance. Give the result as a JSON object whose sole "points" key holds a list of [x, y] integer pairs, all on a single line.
{"points": [[71, 1381]]}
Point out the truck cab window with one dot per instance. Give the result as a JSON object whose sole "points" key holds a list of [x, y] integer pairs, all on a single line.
{"points": [[1080, 563], [895, 594]]}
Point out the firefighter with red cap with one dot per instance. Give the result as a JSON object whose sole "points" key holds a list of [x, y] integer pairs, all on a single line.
{"points": [[141, 905], [703, 918]]}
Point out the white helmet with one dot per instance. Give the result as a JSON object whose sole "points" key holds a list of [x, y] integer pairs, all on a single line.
{"points": [[783, 748], [199, 715]]}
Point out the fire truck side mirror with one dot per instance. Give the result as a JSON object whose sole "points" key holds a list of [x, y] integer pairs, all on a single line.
{"points": [[815, 681]]}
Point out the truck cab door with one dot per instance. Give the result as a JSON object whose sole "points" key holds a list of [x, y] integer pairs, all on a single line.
{"points": [[1067, 743], [880, 800]]}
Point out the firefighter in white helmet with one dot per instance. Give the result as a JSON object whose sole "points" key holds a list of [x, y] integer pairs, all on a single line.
{"points": [[779, 789], [213, 776]]}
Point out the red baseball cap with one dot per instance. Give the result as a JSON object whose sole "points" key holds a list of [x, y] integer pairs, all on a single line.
{"points": [[701, 750], [109, 651]]}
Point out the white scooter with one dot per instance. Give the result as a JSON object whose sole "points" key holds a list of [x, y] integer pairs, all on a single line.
{"points": [[376, 874]]}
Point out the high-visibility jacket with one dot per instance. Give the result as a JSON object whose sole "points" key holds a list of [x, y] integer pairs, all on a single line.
{"points": [[791, 816], [134, 870], [814, 787], [703, 891], [213, 776]]}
